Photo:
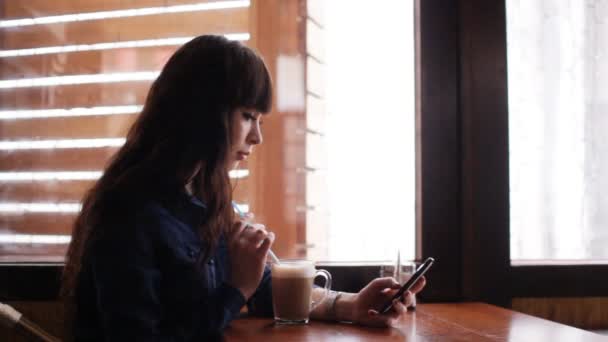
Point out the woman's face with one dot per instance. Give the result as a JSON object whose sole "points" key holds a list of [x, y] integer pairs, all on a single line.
{"points": [[246, 132]]}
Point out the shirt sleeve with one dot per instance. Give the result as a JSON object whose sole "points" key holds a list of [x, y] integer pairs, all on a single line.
{"points": [[128, 279], [228, 302], [260, 304]]}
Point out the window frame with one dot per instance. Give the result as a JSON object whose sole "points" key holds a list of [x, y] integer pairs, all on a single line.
{"points": [[438, 146], [486, 166]]}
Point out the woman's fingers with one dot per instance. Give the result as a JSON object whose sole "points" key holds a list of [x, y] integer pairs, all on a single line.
{"points": [[378, 320], [236, 230], [419, 285], [253, 237], [407, 299], [255, 234], [408, 295], [388, 319], [399, 307], [265, 246], [381, 284]]}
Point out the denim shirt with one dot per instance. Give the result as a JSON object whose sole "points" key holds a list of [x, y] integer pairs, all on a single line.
{"points": [[146, 283]]}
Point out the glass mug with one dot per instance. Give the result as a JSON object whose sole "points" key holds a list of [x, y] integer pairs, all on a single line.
{"points": [[292, 285]]}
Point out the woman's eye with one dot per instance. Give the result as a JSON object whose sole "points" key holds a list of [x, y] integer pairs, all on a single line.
{"points": [[248, 116]]}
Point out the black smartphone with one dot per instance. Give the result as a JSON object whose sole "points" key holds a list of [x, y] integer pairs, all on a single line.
{"points": [[409, 283]]}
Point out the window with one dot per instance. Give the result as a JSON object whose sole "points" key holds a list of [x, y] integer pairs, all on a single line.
{"points": [[362, 77], [490, 271], [557, 56]]}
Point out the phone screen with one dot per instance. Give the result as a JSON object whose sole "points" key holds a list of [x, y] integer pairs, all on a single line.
{"points": [[409, 283]]}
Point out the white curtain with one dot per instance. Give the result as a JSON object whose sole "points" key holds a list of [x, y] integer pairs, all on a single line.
{"points": [[558, 128]]}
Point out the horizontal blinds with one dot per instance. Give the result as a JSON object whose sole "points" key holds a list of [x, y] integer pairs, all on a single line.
{"points": [[126, 29], [69, 127], [44, 8], [55, 159], [120, 60], [74, 96], [73, 77], [46, 191]]}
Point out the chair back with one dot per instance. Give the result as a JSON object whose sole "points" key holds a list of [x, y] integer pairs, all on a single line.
{"points": [[13, 319]]}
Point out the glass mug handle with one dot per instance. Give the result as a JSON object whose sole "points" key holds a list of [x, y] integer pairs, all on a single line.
{"points": [[324, 274]]}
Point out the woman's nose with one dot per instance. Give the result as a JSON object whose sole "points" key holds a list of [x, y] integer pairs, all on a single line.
{"points": [[255, 135]]}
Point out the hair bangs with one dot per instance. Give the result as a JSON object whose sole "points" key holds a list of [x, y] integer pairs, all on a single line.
{"points": [[254, 88]]}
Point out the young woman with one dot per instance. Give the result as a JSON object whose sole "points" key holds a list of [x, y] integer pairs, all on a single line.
{"points": [[157, 252]]}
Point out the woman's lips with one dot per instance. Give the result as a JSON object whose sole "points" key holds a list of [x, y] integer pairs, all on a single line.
{"points": [[242, 155]]}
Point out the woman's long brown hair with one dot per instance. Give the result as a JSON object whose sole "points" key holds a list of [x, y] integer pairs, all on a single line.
{"points": [[184, 126]]}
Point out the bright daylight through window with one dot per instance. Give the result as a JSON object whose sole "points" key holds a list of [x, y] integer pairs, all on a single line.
{"points": [[558, 75], [370, 130]]}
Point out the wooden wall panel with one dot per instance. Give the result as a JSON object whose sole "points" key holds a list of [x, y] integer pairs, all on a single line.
{"points": [[87, 62], [126, 29], [83, 159], [102, 126], [69, 96], [45, 191], [584, 313], [37, 223]]}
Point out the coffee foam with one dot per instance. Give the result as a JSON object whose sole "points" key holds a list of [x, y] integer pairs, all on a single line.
{"points": [[287, 270]]}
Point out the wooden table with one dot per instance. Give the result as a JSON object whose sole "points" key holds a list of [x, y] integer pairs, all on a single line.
{"points": [[430, 322]]}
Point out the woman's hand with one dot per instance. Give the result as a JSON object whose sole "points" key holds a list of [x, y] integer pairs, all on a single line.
{"points": [[248, 245], [364, 305]]}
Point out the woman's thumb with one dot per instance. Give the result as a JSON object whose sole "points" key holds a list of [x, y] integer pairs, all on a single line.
{"points": [[383, 283]]}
